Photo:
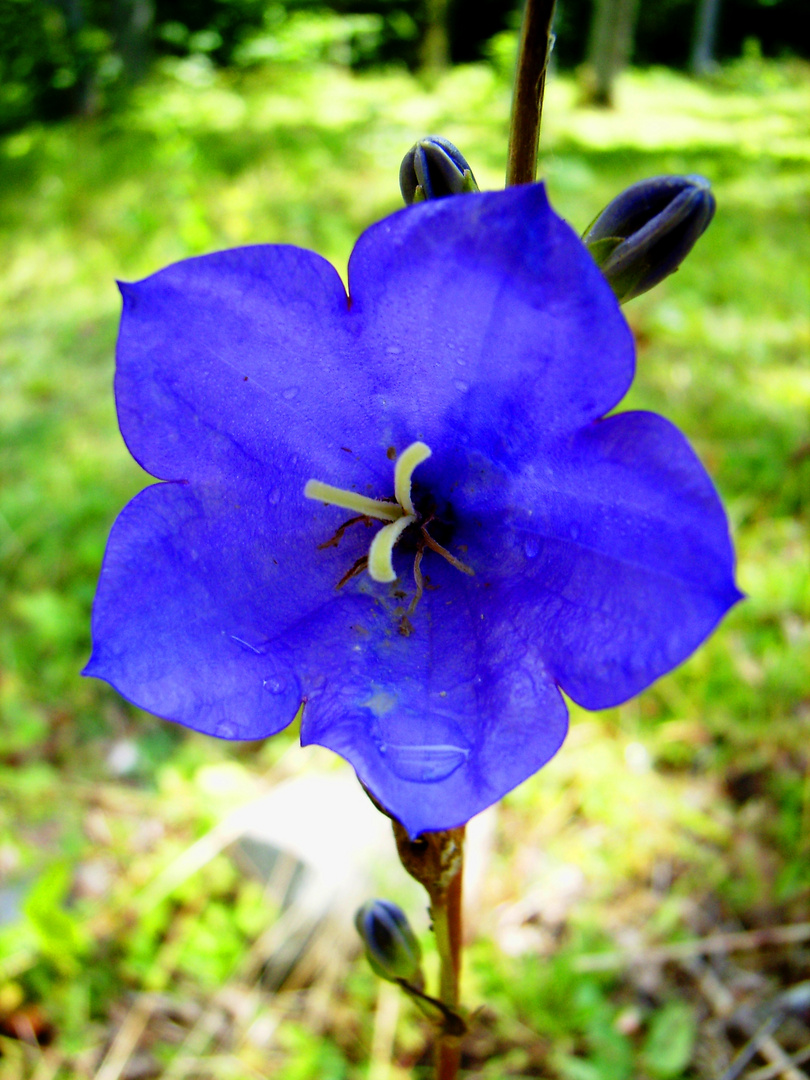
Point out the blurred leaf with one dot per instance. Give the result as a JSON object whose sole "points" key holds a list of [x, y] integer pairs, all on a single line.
{"points": [[670, 1041], [61, 937]]}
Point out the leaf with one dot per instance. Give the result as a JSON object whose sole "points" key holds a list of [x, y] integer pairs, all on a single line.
{"points": [[670, 1041]]}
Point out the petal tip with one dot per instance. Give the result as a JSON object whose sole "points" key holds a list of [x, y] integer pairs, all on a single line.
{"points": [[128, 291], [89, 671]]}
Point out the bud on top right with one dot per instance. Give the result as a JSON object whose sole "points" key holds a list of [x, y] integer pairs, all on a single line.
{"points": [[645, 233]]}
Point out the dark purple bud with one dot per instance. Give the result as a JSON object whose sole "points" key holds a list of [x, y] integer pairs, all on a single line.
{"points": [[645, 233], [433, 168], [391, 945]]}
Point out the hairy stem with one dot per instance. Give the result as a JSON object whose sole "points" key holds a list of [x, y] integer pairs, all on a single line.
{"points": [[527, 98]]}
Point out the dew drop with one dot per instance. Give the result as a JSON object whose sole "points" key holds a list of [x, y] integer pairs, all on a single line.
{"points": [[461, 385], [574, 532], [290, 393], [226, 731], [531, 547], [274, 496], [393, 350], [275, 685], [424, 764]]}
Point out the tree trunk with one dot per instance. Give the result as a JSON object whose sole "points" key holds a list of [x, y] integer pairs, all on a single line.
{"points": [[83, 90], [613, 28], [707, 16], [133, 32], [435, 49]]}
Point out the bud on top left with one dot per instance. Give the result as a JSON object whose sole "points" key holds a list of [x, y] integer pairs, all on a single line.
{"points": [[433, 168]]}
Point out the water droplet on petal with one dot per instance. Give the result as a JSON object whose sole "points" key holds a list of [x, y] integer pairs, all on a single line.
{"points": [[274, 496], [275, 685], [290, 393], [574, 532], [424, 764], [531, 547], [393, 350], [461, 385], [226, 731]]}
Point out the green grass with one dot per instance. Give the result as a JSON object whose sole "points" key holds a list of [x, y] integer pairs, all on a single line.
{"points": [[711, 763]]}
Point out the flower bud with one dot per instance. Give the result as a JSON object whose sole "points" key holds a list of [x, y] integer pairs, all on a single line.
{"points": [[645, 233], [432, 168], [390, 944]]}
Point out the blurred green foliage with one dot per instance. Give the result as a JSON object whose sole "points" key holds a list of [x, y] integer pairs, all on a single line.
{"points": [[711, 763], [78, 57]]}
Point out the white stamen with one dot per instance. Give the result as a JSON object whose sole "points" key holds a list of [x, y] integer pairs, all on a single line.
{"points": [[381, 551], [350, 500]]}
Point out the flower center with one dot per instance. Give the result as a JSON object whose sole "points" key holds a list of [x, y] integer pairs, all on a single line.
{"points": [[400, 515]]}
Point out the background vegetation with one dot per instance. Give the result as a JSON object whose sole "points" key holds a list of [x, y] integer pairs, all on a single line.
{"points": [[135, 941], [67, 57]]}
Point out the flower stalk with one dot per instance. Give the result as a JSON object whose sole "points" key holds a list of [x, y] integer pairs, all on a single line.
{"points": [[527, 98], [447, 926], [436, 861]]}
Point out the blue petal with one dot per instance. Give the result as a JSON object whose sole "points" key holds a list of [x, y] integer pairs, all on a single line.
{"points": [[617, 545], [491, 296], [179, 622], [241, 363], [441, 724]]}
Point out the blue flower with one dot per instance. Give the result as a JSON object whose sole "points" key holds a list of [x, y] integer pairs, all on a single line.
{"points": [[455, 404]]}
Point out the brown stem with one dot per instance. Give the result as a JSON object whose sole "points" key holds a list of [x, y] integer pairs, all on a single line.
{"points": [[448, 1046], [436, 860], [448, 1058], [527, 99]]}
